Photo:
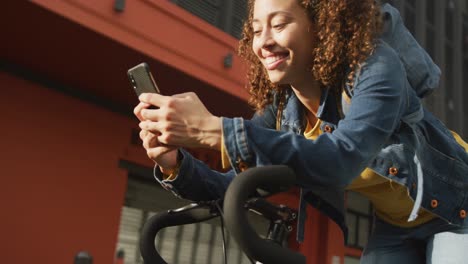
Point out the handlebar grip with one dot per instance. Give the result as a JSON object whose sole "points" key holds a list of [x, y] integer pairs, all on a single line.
{"points": [[186, 215], [235, 216]]}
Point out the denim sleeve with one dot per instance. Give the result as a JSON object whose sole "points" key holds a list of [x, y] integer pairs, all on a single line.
{"points": [[198, 182], [333, 159], [195, 180]]}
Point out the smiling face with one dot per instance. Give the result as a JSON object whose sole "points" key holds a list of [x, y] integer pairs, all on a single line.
{"points": [[283, 40]]}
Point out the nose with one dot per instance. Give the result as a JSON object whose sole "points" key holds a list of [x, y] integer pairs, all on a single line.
{"points": [[266, 39]]}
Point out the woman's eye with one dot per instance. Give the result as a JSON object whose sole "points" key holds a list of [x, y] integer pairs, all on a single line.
{"points": [[257, 32], [279, 26]]}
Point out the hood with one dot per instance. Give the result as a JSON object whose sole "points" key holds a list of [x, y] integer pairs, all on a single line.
{"points": [[422, 73]]}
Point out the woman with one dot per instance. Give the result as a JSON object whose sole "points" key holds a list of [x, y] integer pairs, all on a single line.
{"points": [[338, 101]]}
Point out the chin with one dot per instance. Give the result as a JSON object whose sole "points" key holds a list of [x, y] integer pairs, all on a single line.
{"points": [[277, 79]]}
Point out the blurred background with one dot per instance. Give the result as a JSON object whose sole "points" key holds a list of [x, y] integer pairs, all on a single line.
{"points": [[74, 175]]}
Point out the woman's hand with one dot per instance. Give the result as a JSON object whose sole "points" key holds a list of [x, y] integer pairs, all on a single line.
{"points": [[165, 156], [180, 120]]}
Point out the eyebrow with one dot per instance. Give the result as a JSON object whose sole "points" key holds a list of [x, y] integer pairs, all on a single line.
{"points": [[272, 14]]}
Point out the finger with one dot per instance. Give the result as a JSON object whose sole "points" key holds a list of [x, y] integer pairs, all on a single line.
{"points": [[143, 134], [152, 114], [184, 95], [154, 99], [150, 141], [158, 134], [145, 143], [154, 153], [137, 110], [153, 127]]}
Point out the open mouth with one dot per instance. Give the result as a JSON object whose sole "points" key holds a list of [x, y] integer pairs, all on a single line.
{"points": [[273, 61]]}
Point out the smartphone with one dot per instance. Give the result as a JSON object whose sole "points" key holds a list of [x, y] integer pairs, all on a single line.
{"points": [[142, 80]]}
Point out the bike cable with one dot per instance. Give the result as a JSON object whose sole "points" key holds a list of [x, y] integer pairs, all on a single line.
{"points": [[222, 231]]}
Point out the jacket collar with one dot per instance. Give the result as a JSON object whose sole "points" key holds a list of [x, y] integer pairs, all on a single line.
{"points": [[294, 111], [328, 109]]}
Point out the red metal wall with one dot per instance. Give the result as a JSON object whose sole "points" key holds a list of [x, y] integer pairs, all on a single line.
{"points": [[61, 189], [163, 31]]}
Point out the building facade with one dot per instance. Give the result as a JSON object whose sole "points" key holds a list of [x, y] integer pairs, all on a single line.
{"points": [[75, 175], [441, 28]]}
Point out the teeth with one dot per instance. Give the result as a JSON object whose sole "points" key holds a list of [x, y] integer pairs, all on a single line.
{"points": [[273, 59]]}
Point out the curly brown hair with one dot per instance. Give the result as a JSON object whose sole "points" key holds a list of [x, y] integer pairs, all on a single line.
{"points": [[346, 33]]}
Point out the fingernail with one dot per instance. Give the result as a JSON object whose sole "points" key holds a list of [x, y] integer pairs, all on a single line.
{"points": [[142, 97]]}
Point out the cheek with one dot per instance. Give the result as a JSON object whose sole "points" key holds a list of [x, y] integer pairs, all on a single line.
{"points": [[256, 48], [304, 49], [287, 40]]}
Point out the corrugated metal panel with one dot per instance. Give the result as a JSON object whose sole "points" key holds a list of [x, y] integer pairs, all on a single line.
{"points": [[227, 15], [207, 10], [238, 16], [129, 230], [189, 244]]}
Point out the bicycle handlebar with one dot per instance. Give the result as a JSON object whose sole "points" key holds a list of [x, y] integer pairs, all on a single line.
{"points": [[192, 213], [235, 217], [269, 179]]}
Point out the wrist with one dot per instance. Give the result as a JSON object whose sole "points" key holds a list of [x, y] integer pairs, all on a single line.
{"points": [[168, 161], [170, 173], [211, 135]]}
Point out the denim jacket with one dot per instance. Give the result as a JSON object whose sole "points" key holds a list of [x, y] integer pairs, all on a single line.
{"points": [[384, 127]]}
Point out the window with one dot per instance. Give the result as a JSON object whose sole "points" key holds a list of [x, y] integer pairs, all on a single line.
{"points": [[359, 220]]}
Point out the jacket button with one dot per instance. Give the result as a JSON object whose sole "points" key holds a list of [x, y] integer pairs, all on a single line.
{"points": [[462, 214], [328, 128], [434, 203], [393, 171], [243, 166], [413, 186]]}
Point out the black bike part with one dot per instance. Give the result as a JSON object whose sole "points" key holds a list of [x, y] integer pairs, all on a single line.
{"points": [[235, 215], [193, 213], [281, 218], [271, 211]]}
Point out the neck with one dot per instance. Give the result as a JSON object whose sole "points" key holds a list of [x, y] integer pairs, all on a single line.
{"points": [[309, 95]]}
